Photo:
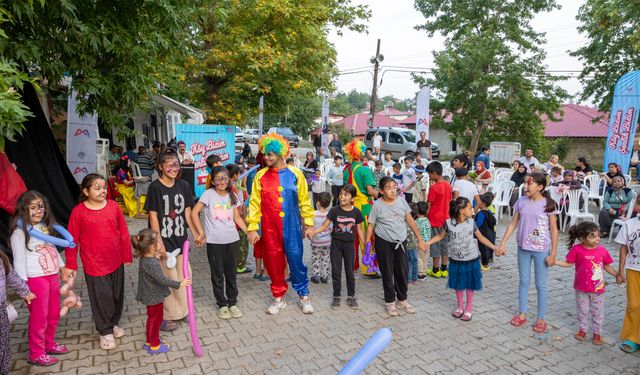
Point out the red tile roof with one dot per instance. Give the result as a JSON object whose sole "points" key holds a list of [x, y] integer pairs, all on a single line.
{"points": [[393, 112], [412, 119], [577, 122], [358, 123]]}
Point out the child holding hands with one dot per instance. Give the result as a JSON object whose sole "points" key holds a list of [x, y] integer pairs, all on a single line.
{"points": [[345, 218], [589, 258], [464, 255]]}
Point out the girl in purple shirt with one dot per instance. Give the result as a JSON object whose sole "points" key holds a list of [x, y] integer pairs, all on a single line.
{"points": [[536, 219]]}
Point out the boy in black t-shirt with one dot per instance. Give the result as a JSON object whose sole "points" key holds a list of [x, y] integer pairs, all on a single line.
{"points": [[347, 222]]}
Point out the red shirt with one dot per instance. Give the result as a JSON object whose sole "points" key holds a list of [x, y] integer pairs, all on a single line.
{"points": [[102, 237], [439, 197]]}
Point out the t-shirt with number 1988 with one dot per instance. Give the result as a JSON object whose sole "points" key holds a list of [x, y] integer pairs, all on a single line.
{"points": [[170, 203]]}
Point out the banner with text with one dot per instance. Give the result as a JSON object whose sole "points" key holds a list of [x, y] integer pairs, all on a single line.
{"points": [[82, 132], [204, 140], [325, 124], [623, 121], [422, 112]]}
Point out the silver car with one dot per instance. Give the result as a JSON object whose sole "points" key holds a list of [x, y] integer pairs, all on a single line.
{"points": [[251, 135], [399, 141]]}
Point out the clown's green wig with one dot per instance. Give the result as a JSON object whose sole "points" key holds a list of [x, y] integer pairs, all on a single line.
{"points": [[355, 150], [275, 143]]}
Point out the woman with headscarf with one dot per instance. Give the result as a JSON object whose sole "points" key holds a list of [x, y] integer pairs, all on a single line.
{"points": [[617, 199], [613, 170], [517, 177], [483, 176]]}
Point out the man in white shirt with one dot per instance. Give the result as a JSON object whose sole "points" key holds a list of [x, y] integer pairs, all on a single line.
{"points": [[465, 188], [529, 161], [185, 157], [377, 143]]}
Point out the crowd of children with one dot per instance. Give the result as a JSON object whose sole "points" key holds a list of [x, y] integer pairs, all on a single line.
{"points": [[411, 220]]}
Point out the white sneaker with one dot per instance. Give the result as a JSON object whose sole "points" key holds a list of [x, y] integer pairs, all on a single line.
{"points": [[277, 305], [305, 305]]}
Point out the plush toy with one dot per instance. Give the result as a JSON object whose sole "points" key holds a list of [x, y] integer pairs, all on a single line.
{"points": [[71, 300]]}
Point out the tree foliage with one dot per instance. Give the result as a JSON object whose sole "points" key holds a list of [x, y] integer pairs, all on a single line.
{"points": [[491, 74], [275, 48], [116, 51], [613, 28]]}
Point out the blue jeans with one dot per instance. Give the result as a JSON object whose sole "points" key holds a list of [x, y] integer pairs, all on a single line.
{"points": [[525, 257], [412, 259]]}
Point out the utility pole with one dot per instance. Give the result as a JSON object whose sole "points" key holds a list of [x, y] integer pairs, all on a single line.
{"points": [[376, 60]]}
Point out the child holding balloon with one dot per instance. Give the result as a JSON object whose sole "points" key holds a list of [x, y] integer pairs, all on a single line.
{"points": [[99, 227], [37, 261], [153, 286]]}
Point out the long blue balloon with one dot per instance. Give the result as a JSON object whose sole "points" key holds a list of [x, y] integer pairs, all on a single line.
{"points": [[68, 240], [248, 171], [368, 353]]}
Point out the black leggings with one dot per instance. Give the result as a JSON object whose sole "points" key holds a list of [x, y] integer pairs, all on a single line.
{"points": [[342, 252], [223, 260]]}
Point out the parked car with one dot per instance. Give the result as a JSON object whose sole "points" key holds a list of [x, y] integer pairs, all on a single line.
{"points": [[251, 135], [399, 141], [239, 135], [293, 139], [435, 150]]}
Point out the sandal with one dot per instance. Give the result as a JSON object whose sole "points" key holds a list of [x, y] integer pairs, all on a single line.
{"points": [[540, 327], [118, 332], [629, 346], [457, 313], [107, 342], [466, 316], [516, 321], [580, 335], [597, 339]]}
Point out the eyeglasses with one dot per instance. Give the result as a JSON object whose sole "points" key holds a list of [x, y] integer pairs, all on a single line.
{"points": [[221, 179]]}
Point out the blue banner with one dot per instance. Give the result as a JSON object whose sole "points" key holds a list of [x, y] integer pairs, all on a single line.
{"points": [[204, 140], [623, 121]]}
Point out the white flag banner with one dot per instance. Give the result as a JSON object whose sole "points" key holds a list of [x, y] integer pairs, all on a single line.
{"points": [[82, 132], [325, 123], [422, 111]]}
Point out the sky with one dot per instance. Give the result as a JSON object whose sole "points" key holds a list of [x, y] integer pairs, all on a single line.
{"points": [[401, 45]]}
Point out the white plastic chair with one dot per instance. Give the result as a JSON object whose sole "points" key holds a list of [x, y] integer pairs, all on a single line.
{"points": [[504, 190], [388, 171], [401, 161], [627, 180], [445, 164], [449, 172], [573, 211], [135, 169], [621, 220], [596, 186]]}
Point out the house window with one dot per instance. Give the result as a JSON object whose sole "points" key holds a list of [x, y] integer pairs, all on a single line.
{"points": [[454, 145]]}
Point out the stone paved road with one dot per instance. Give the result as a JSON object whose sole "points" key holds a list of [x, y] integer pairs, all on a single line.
{"points": [[429, 342]]}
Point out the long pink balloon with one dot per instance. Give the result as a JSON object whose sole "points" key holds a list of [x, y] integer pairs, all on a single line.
{"points": [[195, 340]]}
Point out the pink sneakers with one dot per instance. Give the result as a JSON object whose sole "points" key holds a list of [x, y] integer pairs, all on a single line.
{"points": [[57, 349], [43, 360]]}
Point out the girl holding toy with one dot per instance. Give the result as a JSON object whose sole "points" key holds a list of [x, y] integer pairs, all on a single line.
{"points": [[38, 263]]}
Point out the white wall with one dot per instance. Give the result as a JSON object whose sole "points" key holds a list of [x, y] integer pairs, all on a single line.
{"points": [[443, 139]]}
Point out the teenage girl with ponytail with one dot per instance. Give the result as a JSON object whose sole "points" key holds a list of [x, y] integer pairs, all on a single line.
{"points": [[537, 239]]}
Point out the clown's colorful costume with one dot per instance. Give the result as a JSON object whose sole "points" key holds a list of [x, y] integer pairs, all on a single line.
{"points": [[361, 176], [279, 201]]}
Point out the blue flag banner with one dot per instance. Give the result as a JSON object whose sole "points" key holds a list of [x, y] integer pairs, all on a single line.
{"points": [[204, 140], [623, 121]]}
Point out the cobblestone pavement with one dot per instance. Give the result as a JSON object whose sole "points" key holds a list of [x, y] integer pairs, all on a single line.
{"points": [[429, 342]]}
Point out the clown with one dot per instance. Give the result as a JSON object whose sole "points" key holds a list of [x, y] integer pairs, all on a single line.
{"points": [[280, 203], [362, 178]]}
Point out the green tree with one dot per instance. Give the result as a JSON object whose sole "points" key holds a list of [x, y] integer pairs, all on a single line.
{"points": [[613, 28], [491, 74], [116, 51], [279, 49]]}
